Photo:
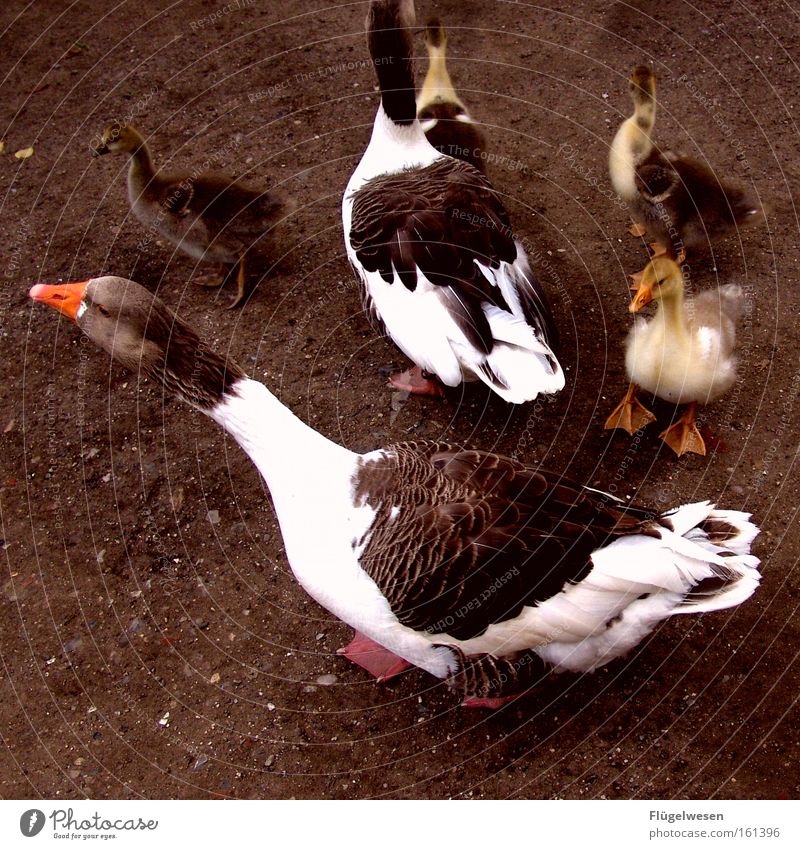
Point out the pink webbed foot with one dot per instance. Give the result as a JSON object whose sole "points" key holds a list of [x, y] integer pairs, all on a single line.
{"points": [[373, 657], [417, 382]]}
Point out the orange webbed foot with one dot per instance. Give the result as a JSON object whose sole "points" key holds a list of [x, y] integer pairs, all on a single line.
{"points": [[630, 414], [683, 437]]}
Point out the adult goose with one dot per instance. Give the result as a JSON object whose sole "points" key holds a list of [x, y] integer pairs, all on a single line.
{"points": [[472, 566], [208, 215], [678, 201], [445, 120], [430, 241]]}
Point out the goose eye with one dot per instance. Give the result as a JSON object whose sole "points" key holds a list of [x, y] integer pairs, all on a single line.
{"points": [[102, 310]]}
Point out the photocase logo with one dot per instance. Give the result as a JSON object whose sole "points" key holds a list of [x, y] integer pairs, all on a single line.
{"points": [[31, 822]]}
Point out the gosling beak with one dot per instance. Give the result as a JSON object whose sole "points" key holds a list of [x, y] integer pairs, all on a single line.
{"points": [[99, 151], [643, 296], [66, 298]]}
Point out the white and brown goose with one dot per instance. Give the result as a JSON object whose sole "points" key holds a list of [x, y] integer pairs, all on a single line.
{"points": [[472, 566], [430, 241], [447, 124]]}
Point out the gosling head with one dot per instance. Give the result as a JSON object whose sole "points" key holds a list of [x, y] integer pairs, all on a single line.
{"points": [[435, 34], [119, 138], [662, 279], [642, 84]]}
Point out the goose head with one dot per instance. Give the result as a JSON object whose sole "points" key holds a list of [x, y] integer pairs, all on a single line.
{"points": [[119, 138], [141, 333], [391, 14], [662, 280], [111, 313]]}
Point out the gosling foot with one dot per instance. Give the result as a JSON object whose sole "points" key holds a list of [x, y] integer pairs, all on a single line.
{"points": [[630, 414], [683, 437], [241, 288], [637, 229], [212, 279]]}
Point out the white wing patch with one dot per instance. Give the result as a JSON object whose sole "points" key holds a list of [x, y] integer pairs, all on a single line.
{"points": [[707, 339]]}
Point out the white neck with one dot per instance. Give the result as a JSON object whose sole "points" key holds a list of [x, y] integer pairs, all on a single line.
{"points": [[291, 456], [393, 147]]}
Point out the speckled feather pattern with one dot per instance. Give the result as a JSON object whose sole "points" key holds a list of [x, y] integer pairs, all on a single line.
{"points": [[185, 365], [454, 526]]}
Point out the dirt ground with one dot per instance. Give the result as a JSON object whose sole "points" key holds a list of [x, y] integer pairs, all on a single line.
{"points": [[153, 641]]}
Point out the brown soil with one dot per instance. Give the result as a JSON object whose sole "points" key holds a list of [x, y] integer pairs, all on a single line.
{"points": [[122, 602]]}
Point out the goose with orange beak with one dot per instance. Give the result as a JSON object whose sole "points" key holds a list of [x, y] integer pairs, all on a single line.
{"points": [[477, 568]]}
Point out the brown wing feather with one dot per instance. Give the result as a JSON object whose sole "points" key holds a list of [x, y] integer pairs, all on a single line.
{"points": [[478, 536], [436, 220], [656, 178], [685, 194], [223, 202], [177, 197]]}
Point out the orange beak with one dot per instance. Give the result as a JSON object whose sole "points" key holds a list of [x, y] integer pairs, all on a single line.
{"points": [[643, 296], [65, 298]]}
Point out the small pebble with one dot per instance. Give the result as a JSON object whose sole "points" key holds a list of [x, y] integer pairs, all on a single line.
{"points": [[327, 680]]}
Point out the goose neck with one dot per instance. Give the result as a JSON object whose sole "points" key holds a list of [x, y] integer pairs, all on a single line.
{"points": [[391, 49], [288, 453]]}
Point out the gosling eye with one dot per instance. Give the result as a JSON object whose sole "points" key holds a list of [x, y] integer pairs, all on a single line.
{"points": [[102, 310]]}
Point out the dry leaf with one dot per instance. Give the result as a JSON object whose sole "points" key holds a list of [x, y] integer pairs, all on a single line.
{"points": [[2, 145], [10, 426], [25, 153], [77, 47]]}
